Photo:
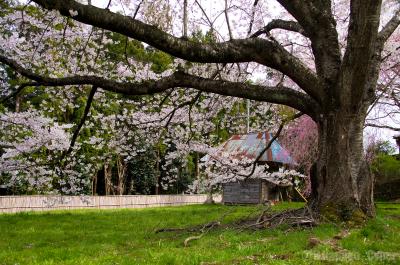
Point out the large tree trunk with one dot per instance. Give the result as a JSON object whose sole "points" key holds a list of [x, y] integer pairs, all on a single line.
{"points": [[343, 184]]}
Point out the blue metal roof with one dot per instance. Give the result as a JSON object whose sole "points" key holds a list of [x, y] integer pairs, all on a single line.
{"points": [[251, 145]]}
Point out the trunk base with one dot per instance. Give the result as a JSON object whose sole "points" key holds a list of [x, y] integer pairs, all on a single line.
{"points": [[343, 213], [341, 180], [337, 202]]}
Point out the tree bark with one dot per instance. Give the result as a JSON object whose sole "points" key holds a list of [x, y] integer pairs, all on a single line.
{"points": [[185, 19], [94, 183], [121, 168], [108, 179], [18, 100], [158, 173], [196, 168], [342, 182]]}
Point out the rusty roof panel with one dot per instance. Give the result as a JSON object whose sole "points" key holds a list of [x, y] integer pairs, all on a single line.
{"points": [[251, 145]]}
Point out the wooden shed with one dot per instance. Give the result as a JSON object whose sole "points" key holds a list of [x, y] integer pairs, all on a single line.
{"points": [[252, 191], [255, 191]]}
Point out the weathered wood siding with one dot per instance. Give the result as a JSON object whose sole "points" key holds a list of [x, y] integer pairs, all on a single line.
{"points": [[249, 191], [12, 204]]}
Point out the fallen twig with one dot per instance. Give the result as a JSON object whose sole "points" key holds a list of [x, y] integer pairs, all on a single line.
{"points": [[197, 228], [208, 226]]}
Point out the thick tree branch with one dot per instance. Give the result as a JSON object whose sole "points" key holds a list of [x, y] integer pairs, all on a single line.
{"points": [[280, 24], [143, 88], [389, 28], [361, 61], [258, 50], [281, 95], [316, 18], [313, 16]]}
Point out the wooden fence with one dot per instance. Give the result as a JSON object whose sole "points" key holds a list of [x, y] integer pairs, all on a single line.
{"points": [[12, 204]]}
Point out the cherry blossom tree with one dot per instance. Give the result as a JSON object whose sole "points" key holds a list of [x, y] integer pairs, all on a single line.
{"points": [[322, 58], [114, 128], [300, 138]]}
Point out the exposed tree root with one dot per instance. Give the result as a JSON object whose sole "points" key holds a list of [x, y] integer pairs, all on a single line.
{"points": [[203, 229]]}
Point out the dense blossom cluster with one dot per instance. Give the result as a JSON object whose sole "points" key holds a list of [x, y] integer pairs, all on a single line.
{"points": [[30, 142], [224, 167]]}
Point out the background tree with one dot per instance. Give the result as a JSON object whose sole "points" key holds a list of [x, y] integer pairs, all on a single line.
{"points": [[110, 154], [386, 169]]}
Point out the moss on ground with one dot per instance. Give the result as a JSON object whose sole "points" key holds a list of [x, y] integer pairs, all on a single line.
{"points": [[349, 217]]}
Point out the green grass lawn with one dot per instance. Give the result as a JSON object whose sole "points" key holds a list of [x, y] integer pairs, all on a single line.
{"points": [[127, 237]]}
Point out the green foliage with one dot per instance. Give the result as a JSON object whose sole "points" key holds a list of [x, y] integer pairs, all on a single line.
{"points": [[384, 147], [142, 173], [127, 237], [199, 36], [5, 7], [386, 167], [122, 48]]}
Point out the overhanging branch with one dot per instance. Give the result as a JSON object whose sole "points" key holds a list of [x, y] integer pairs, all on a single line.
{"points": [[317, 20], [389, 28], [257, 50], [281, 95]]}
